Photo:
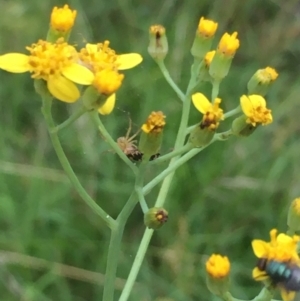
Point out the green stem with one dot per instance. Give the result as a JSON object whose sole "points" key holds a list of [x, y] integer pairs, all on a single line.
{"points": [[172, 154], [168, 78], [117, 234], [224, 135], [139, 183], [137, 264], [233, 112], [163, 190], [79, 112], [111, 142], [46, 110], [264, 295], [171, 169], [114, 249], [215, 90]]}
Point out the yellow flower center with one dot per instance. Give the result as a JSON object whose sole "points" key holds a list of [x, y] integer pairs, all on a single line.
{"points": [[62, 19], [107, 81], [218, 266], [98, 57], [155, 123], [207, 28], [229, 44], [47, 59], [212, 116]]}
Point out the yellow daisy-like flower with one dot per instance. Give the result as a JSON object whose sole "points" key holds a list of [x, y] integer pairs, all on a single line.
{"points": [[218, 266], [105, 63], [209, 57], [62, 19], [229, 44], [255, 108], [211, 111], [56, 63], [281, 249], [155, 123], [207, 28]]}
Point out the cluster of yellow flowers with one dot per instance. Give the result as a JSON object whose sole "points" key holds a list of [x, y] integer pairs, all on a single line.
{"points": [[61, 66]]}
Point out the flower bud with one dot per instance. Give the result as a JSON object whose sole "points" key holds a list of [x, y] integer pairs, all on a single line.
{"points": [[203, 38], [158, 43], [61, 23], [200, 136], [240, 127], [222, 59], [217, 271], [155, 217], [261, 80], [293, 219], [152, 134]]}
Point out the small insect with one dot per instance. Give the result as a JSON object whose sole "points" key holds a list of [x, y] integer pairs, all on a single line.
{"points": [[284, 274], [128, 145]]}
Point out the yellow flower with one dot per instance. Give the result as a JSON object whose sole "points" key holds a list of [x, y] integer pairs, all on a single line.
{"points": [[209, 57], [56, 63], [218, 266], [62, 19], [282, 248], [254, 107], [105, 63], [207, 28], [229, 44], [211, 111], [155, 123]]}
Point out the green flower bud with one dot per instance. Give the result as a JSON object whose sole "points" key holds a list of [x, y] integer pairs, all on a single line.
{"points": [[158, 43], [155, 217], [241, 128], [261, 80], [61, 23], [203, 38], [152, 134], [222, 59], [200, 136], [293, 219]]}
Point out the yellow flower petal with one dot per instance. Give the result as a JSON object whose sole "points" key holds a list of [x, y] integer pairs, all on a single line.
{"points": [[14, 62], [128, 61], [259, 275], [78, 74], [260, 248], [201, 103], [63, 89], [108, 105], [287, 295]]}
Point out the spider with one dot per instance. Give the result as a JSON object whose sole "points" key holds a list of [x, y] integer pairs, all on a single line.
{"points": [[128, 145]]}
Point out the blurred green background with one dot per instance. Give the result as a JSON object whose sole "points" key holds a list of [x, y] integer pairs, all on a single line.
{"points": [[52, 247]]}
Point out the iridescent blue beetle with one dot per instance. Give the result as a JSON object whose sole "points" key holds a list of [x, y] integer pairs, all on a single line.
{"points": [[284, 274]]}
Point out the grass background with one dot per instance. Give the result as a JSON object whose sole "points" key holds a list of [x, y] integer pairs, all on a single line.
{"points": [[223, 198]]}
